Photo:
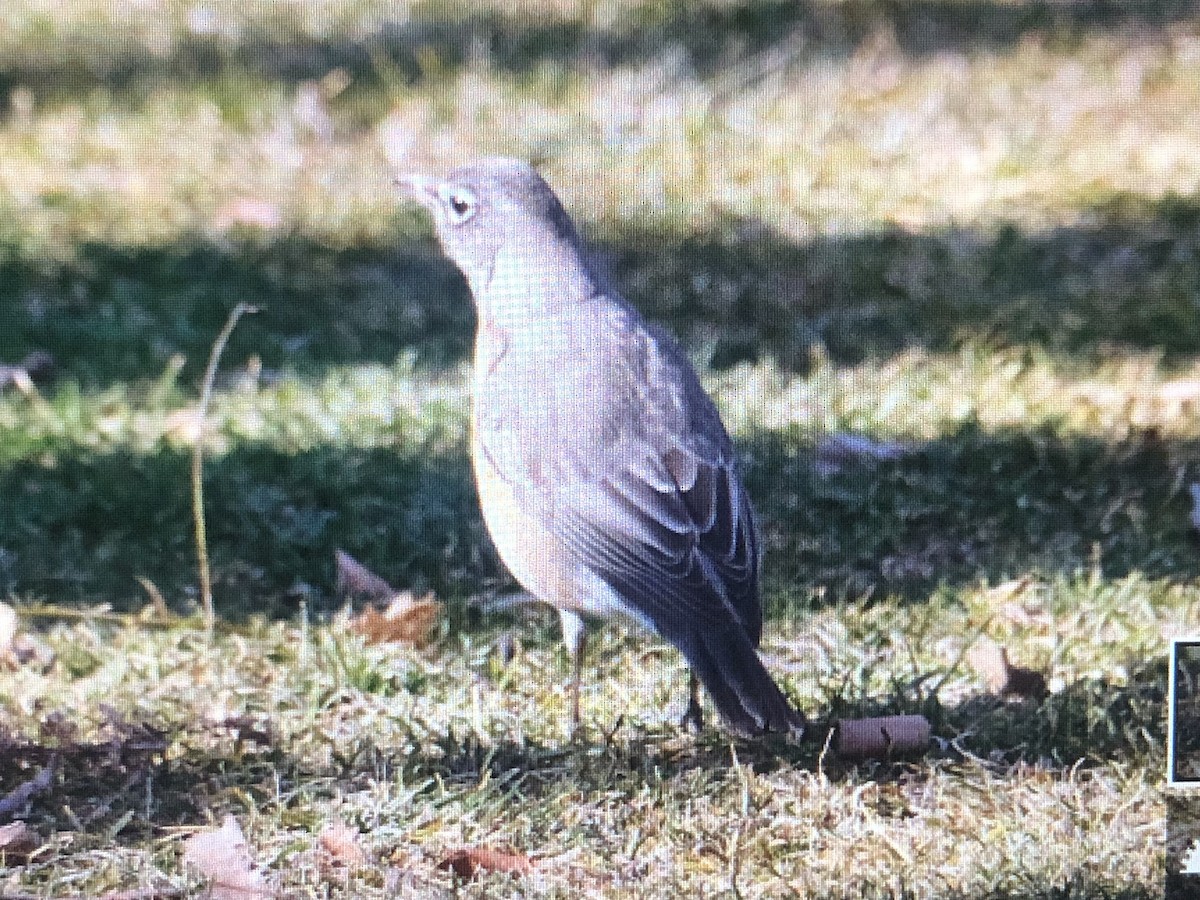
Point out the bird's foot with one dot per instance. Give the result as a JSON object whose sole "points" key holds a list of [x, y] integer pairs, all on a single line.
{"points": [[693, 716]]}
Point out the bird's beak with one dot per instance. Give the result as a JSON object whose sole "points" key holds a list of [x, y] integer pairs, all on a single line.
{"points": [[421, 188]]}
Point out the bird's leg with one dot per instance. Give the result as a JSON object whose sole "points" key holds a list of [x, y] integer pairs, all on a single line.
{"points": [[693, 716], [574, 637]]}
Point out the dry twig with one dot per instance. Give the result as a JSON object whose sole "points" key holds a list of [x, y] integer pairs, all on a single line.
{"points": [[210, 376]]}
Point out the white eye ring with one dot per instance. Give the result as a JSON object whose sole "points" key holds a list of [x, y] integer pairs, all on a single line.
{"points": [[460, 204]]}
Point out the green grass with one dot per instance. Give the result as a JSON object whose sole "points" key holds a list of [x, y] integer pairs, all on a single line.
{"points": [[967, 229]]}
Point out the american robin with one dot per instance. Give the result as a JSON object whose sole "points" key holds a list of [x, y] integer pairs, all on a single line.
{"points": [[605, 475]]}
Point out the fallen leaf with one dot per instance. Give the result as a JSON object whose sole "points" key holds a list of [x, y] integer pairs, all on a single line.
{"points": [[1002, 677], [471, 862], [18, 842], [340, 844], [223, 857], [405, 620], [355, 579]]}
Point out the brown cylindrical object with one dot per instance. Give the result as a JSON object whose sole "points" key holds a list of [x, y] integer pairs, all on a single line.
{"points": [[884, 736]]}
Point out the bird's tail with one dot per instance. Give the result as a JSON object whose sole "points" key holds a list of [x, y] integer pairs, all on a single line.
{"points": [[747, 698]]}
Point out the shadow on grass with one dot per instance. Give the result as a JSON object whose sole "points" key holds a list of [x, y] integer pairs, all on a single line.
{"points": [[139, 790], [713, 38], [1126, 278], [115, 314], [972, 505], [79, 526]]}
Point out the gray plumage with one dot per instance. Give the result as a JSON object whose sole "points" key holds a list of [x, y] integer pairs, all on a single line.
{"points": [[606, 476]]}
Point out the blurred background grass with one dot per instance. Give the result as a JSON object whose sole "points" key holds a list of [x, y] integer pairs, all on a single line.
{"points": [[966, 230]]}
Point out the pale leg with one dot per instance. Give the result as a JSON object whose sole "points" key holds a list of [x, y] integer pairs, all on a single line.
{"points": [[574, 637]]}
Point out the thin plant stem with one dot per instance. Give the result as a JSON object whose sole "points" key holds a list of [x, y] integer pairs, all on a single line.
{"points": [[210, 376]]}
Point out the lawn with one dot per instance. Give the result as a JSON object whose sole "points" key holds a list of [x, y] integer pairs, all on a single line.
{"points": [[939, 264]]}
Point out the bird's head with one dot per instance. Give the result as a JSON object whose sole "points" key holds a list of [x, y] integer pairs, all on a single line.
{"points": [[503, 226]]}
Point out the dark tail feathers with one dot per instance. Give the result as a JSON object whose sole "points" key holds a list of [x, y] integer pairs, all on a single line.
{"points": [[747, 698]]}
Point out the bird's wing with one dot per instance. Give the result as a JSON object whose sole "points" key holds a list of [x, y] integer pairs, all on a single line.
{"points": [[632, 470], [677, 555]]}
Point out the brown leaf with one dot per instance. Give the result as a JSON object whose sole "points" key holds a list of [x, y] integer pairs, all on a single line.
{"points": [[353, 578], [223, 857], [18, 842], [1002, 677], [340, 844], [405, 620], [471, 862]]}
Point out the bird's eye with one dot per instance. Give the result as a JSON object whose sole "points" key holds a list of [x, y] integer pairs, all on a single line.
{"points": [[461, 205]]}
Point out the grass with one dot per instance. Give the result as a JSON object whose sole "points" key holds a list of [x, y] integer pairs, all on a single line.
{"points": [[968, 231]]}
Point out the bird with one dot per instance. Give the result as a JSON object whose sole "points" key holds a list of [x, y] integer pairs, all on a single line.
{"points": [[606, 478]]}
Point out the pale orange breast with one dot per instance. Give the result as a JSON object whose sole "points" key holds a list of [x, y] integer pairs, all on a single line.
{"points": [[536, 558]]}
